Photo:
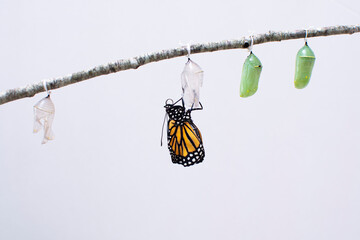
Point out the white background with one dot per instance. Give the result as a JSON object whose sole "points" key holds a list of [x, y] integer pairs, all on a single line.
{"points": [[282, 164]]}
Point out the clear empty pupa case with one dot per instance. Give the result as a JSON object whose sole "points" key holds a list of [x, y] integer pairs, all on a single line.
{"points": [[191, 81], [44, 112]]}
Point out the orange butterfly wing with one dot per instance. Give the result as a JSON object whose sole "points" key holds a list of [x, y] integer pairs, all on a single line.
{"points": [[185, 143]]}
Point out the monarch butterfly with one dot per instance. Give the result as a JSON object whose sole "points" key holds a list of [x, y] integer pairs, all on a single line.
{"points": [[305, 60], [250, 76], [183, 137]]}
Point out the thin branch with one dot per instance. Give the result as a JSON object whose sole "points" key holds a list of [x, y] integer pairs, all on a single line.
{"points": [[133, 63]]}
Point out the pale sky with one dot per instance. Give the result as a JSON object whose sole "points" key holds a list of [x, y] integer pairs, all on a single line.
{"points": [[282, 164]]}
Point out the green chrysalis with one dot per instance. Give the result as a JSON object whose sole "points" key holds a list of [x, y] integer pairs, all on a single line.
{"points": [[305, 60], [250, 76]]}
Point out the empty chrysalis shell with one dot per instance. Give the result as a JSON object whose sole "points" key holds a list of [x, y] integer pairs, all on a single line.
{"points": [[305, 60], [44, 112], [191, 81], [250, 76]]}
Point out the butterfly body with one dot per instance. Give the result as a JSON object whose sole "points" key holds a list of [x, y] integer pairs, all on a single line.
{"points": [[183, 137]]}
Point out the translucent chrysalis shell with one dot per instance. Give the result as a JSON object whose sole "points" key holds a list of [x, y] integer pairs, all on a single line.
{"points": [[250, 76], [191, 81], [44, 112], [305, 60]]}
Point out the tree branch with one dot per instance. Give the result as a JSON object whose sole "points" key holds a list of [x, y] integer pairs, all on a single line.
{"points": [[133, 63]]}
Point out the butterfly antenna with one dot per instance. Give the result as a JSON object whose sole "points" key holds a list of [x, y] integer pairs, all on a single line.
{"points": [[162, 130]]}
